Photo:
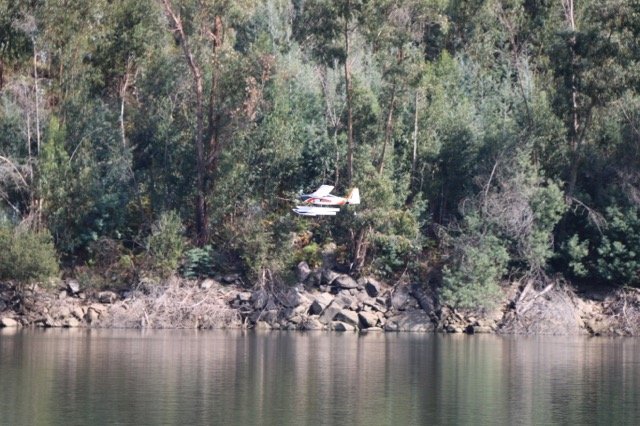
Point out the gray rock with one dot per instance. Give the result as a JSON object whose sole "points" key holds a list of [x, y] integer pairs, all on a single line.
{"points": [[8, 322], [262, 325], [425, 299], [70, 322], [372, 287], [303, 271], [73, 286], [315, 278], [79, 312], [366, 330], [347, 316], [479, 329], [244, 296], [107, 297], [92, 316], [346, 301], [312, 324], [100, 309], [328, 276], [64, 312], [345, 281], [230, 278], [320, 302], [367, 319], [296, 319], [62, 295], [292, 298], [400, 298], [329, 313], [341, 326], [259, 298], [410, 321], [206, 284]]}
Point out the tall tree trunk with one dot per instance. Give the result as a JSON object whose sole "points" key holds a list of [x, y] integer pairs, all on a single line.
{"points": [[201, 201], [213, 132], [414, 155], [388, 129], [575, 130], [347, 78], [35, 76]]}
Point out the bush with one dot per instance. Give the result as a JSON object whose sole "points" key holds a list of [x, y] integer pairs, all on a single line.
{"points": [[198, 262], [27, 256], [472, 279], [618, 253], [165, 245]]}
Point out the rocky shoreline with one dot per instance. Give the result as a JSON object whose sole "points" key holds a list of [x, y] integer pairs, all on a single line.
{"points": [[322, 300]]}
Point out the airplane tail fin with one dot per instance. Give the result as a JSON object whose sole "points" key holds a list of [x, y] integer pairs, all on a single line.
{"points": [[354, 196]]}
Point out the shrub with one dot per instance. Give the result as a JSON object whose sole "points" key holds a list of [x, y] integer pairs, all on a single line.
{"points": [[618, 253], [27, 256], [472, 279], [165, 244], [198, 262]]}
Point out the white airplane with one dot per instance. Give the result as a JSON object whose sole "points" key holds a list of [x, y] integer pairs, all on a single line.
{"points": [[317, 202]]}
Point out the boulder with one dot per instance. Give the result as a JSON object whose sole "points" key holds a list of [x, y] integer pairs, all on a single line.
{"points": [[320, 302], [346, 301], [8, 322], [262, 325], [328, 276], [79, 312], [341, 326], [73, 286], [372, 287], [100, 309], [107, 297], [329, 313], [244, 296], [230, 278], [70, 322], [348, 317], [366, 330], [315, 278], [400, 298], [259, 299], [480, 329], [292, 298], [303, 271], [312, 324], [91, 316], [64, 312], [410, 321], [345, 281], [367, 319], [426, 300], [206, 284]]}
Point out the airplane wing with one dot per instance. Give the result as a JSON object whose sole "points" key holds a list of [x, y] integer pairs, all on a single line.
{"points": [[323, 191], [315, 211]]}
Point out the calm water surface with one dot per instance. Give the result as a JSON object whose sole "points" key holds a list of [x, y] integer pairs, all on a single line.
{"points": [[89, 377]]}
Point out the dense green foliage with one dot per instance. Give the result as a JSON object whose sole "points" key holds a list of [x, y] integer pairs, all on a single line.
{"points": [[489, 139], [26, 256]]}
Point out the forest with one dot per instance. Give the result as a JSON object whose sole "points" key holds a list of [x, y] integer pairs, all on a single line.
{"points": [[491, 140]]}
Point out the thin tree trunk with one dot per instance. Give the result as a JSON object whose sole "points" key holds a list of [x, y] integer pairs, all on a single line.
{"points": [[574, 137], [201, 202], [35, 75], [388, 129], [414, 155], [347, 78]]}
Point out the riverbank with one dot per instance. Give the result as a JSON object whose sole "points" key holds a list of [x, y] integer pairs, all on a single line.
{"points": [[322, 300]]}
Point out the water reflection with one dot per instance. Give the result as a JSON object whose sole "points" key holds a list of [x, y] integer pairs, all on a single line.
{"points": [[278, 378]]}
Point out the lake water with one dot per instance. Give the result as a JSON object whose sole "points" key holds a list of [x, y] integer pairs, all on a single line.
{"points": [[125, 377]]}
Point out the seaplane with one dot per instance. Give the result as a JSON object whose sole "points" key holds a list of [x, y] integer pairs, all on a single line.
{"points": [[320, 202]]}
